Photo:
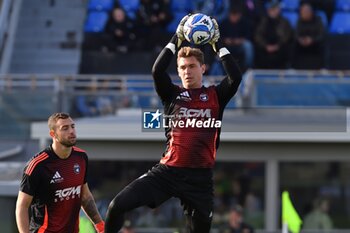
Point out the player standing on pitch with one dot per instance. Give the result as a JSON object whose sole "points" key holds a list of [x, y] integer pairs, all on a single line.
{"points": [[185, 170], [54, 185]]}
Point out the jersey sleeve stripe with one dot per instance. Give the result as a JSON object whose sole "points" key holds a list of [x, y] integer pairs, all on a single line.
{"points": [[35, 159], [78, 149], [35, 162], [45, 223]]}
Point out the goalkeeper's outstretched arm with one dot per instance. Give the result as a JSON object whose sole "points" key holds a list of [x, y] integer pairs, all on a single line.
{"points": [[229, 85], [162, 80]]}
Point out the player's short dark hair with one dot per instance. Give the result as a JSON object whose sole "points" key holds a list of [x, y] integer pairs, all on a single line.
{"points": [[191, 52], [55, 117]]}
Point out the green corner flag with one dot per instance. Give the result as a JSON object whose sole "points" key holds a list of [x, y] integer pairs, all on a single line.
{"points": [[289, 214]]}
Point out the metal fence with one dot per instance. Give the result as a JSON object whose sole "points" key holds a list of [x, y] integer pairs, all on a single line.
{"points": [[25, 98]]}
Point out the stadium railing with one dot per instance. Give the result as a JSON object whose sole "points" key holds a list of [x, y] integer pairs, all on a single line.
{"points": [[142, 85], [27, 98], [291, 88], [66, 86]]}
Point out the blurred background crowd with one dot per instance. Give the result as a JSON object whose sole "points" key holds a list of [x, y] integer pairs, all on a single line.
{"points": [[261, 34]]}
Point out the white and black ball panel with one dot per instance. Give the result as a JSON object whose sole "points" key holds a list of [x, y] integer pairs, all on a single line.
{"points": [[199, 29]]}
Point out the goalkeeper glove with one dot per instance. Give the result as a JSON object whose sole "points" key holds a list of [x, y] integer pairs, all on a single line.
{"points": [[180, 30], [216, 36]]}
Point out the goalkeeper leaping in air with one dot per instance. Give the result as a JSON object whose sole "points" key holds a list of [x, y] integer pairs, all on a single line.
{"points": [[185, 170]]}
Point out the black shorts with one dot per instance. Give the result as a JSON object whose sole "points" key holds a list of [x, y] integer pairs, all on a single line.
{"points": [[193, 186]]}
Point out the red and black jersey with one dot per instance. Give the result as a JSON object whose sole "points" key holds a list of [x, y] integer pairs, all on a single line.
{"points": [[193, 146], [56, 185], [189, 145]]}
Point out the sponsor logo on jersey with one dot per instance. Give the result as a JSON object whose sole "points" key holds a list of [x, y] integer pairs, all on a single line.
{"points": [[184, 96], [204, 97], [57, 178], [76, 168], [67, 193], [190, 112]]}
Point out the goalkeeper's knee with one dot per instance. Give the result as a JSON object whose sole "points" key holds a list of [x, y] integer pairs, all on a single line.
{"points": [[115, 213]]}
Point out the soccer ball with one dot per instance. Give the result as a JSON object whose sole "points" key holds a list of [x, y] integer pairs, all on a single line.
{"points": [[198, 29]]}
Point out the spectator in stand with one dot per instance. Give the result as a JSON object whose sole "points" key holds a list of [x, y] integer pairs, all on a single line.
{"points": [[127, 227], [309, 44], [236, 222], [236, 33], [253, 212], [218, 9], [273, 39], [318, 218], [152, 18], [328, 6], [253, 10], [120, 31], [92, 103]]}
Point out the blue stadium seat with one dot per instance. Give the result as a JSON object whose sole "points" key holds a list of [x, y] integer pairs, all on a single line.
{"points": [[130, 7], [232, 103], [326, 77], [295, 76], [181, 6], [323, 17], [139, 85], [100, 5], [96, 21], [340, 23], [290, 5], [302, 94], [266, 76], [292, 17], [342, 5], [173, 24]]}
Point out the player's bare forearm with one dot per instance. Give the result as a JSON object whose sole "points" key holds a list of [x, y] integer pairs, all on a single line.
{"points": [[22, 216], [89, 206], [90, 209]]}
